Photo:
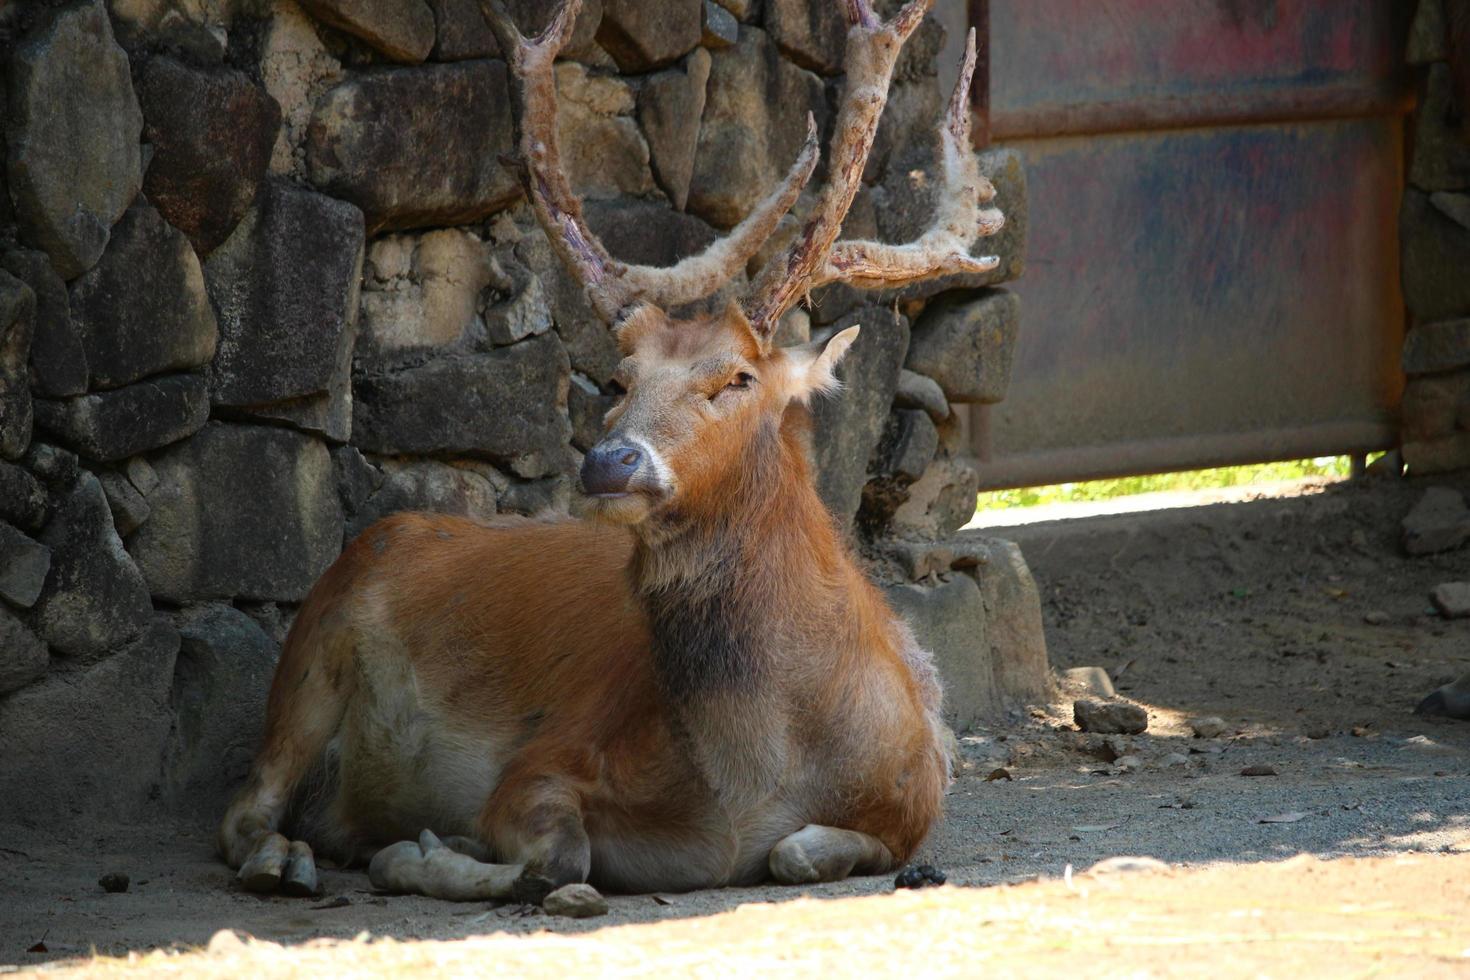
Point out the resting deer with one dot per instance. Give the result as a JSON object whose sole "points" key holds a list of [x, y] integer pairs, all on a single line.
{"points": [[696, 687]]}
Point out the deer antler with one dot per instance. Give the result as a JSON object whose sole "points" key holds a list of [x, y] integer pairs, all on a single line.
{"points": [[813, 259], [612, 286]]}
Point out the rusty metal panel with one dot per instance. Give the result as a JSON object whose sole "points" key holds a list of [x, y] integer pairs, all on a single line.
{"points": [[1212, 271], [1071, 66]]}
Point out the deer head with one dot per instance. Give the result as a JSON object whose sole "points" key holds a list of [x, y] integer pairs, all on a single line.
{"points": [[701, 390]]}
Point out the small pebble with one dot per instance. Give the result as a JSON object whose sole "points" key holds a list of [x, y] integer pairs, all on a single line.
{"points": [[1128, 763], [1109, 717], [1207, 727], [1375, 617], [114, 883], [1173, 759], [575, 901]]}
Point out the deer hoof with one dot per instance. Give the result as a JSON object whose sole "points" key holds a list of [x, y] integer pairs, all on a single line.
{"points": [[529, 888], [299, 880], [790, 865], [261, 872]]}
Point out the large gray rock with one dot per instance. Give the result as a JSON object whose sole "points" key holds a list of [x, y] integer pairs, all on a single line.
{"points": [[670, 107], [460, 31], [918, 391], [1433, 347], [1435, 405], [720, 28], [1441, 158], [17, 325], [221, 680], [424, 291], [94, 599], [602, 152], [401, 29], [129, 509], [756, 105], [23, 567], [949, 620], [367, 137], [1111, 717], [814, 35], [1435, 254], [113, 425], [240, 510], [966, 341], [23, 657], [464, 490], [1439, 521], [499, 405], [1013, 625], [143, 310], [212, 131], [58, 362], [942, 500], [286, 287], [848, 424], [72, 133], [647, 232], [84, 743], [641, 35], [22, 498], [907, 446], [1427, 34], [462, 34], [589, 344]]}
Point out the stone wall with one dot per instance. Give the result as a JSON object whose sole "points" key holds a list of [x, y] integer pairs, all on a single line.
{"points": [[263, 282], [1435, 232]]}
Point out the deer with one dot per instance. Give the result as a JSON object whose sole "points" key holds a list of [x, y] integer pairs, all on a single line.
{"points": [[713, 692]]}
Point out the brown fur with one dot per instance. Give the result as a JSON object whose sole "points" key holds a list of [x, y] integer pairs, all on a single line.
{"points": [[504, 681], [699, 687]]}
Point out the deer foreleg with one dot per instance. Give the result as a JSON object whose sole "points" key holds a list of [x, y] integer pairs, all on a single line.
{"points": [[816, 853], [537, 822], [429, 867]]}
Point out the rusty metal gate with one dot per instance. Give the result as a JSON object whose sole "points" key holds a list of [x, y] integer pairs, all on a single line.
{"points": [[1212, 273]]}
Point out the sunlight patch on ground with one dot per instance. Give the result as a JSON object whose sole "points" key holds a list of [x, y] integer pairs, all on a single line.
{"points": [[1404, 918], [1161, 491]]}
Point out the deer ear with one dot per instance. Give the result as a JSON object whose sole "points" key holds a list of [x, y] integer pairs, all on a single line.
{"points": [[816, 364]]}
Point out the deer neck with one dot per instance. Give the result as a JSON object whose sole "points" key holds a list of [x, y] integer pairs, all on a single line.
{"points": [[734, 595]]}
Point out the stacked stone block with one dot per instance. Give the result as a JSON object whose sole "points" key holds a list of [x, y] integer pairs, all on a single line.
{"points": [[1435, 234], [263, 281]]}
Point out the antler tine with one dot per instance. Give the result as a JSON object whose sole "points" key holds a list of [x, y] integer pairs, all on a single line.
{"points": [[613, 286], [533, 90], [872, 51], [944, 249], [701, 275]]}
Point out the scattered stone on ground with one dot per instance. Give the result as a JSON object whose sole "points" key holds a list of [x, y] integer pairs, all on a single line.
{"points": [[1208, 726], [575, 901], [1376, 617], [1440, 521], [1109, 717], [1452, 599]]}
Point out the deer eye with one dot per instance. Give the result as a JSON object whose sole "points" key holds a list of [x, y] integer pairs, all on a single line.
{"points": [[741, 380]]}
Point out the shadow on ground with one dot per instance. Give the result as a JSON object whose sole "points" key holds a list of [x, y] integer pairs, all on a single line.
{"points": [[1253, 612]]}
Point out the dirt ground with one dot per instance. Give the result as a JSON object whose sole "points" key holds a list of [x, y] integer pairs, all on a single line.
{"points": [[1251, 611]]}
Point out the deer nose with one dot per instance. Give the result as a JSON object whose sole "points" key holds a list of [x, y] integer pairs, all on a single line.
{"points": [[606, 470]]}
